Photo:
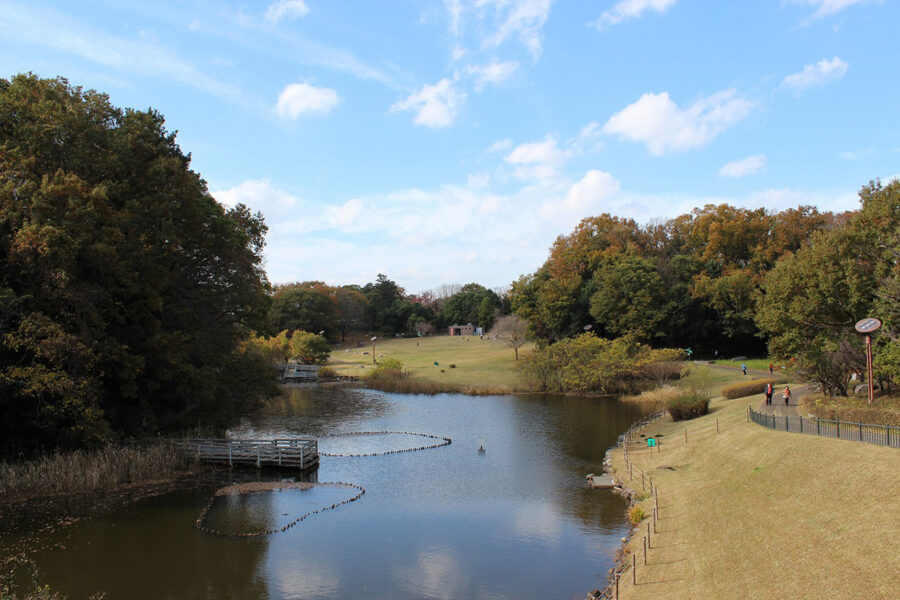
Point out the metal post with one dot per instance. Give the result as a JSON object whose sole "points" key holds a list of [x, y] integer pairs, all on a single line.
{"points": [[230, 463], [801, 423], [279, 456], [818, 427], [257, 457], [869, 370]]}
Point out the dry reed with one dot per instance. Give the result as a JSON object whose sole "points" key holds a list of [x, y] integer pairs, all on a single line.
{"points": [[84, 470]]}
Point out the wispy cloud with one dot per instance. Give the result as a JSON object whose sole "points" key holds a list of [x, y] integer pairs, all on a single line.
{"points": [[631, 9], [826, 8], [665, 127], [142, 56], [435, 106], [504, 20], [286, 9], [820, 73], [299, 99], [745, 166], [492, 73]]}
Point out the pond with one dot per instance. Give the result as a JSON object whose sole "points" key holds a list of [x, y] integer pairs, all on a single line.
{"points": [[514, 521]]}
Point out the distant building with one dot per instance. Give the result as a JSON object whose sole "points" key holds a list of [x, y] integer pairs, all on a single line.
{"points": [[467, 329]]}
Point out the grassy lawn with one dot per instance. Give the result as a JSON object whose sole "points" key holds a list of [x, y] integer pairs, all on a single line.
{"points": [[758, 364], [754, 513], [478, 361]]}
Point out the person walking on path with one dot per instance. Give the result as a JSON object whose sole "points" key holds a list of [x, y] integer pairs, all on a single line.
{"points": [[769, 392], [771, 368], [744, 368], [786, 394]]}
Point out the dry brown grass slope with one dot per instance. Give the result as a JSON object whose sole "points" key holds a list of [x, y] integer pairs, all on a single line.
{"points": [[751, 513]]}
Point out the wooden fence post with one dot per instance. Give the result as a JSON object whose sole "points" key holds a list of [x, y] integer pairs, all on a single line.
{"points": [[717, 427], [617, 586], [645, 551], [685, 435], [634, 569]]}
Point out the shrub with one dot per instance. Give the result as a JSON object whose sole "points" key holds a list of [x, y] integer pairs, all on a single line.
{"points": [[885, 410], [657, 398], [747, 388], [688, 406], [387, 368], [452, 365], [636, 514]]}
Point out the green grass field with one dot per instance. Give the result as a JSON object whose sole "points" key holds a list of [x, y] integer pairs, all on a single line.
{"points": [[756, 364], [478, 361]]}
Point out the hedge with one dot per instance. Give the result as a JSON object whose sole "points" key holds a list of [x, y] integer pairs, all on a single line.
{"points": [[689, 406]]}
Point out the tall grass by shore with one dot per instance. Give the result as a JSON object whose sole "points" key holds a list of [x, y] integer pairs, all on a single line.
{"points": [[86, 470], [403, 384], [657, 398]]}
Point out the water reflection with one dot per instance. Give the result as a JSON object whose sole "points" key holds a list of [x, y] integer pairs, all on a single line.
{"points": [[517, 521]]}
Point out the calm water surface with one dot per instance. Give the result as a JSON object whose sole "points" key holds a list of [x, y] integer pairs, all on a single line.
{"points": [[516, 521]]}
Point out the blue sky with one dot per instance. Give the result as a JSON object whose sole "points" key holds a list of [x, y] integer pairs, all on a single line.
{"points": [[452, 141]]}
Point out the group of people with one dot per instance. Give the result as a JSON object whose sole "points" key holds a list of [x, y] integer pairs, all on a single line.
{"points": [[785, 394]]}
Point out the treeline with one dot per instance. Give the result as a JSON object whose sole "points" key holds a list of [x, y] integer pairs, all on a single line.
{"points": [[689, 282], [381, 308], [725, 280], [126, 290]]}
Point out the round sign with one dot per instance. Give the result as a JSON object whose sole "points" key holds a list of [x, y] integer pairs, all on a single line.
{"points": [[868, 325]]}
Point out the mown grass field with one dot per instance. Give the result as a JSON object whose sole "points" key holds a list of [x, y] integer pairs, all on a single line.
{"points": [[478, 361], [753, 513]]}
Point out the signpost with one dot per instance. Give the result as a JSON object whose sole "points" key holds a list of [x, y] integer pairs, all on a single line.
{"points": [[373, 349], [867, 326]]}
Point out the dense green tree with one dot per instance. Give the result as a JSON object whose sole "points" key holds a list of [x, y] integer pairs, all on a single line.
{"points": [[353, 309], [473, 303], [813, 298], [309, 348], [308, 306], [127, 289]]}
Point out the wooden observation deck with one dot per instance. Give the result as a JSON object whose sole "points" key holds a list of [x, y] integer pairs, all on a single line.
{"points": [[285, 453]]}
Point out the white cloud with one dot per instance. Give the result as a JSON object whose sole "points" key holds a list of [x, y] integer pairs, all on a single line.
{"points": [[588, 195], [538, 160], [500, 146], [493, 72], [258, 194], [299, 99], [546, 152], [820, 73], [458, 52], [664, 127], [286, 9], [825, 8], [744, 166], [435, 105], [631, 9]]}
